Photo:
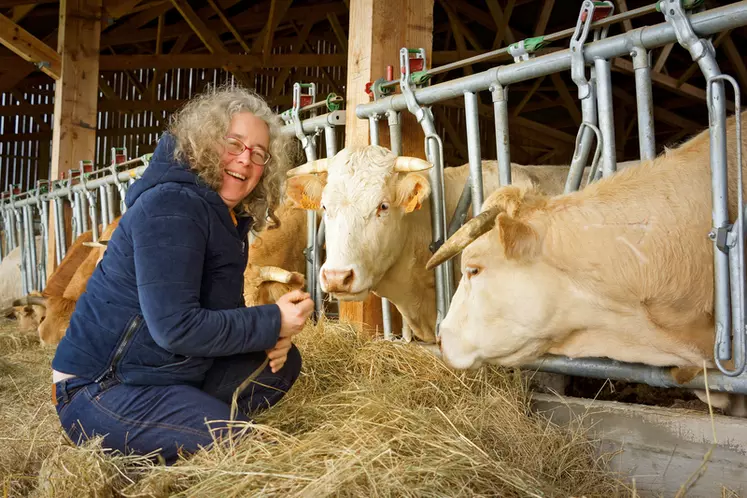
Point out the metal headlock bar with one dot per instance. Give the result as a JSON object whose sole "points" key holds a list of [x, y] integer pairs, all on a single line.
{"points": [[595, 94]]}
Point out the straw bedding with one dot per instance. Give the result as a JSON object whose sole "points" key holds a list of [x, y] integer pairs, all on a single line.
{"points": [[366, 418]]}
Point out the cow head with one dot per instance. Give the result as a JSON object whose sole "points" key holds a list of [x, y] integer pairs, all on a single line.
{"points": [[29, 312], [507, 294], [266, 284], [365, 196]]}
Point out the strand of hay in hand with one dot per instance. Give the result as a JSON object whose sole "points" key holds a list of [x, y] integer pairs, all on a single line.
{"points": [[252, 377]]}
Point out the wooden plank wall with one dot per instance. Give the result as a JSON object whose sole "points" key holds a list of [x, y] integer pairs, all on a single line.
{"points": [[25, 136]]}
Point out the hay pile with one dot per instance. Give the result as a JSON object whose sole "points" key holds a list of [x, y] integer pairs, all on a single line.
{"points": [[364, 419]]}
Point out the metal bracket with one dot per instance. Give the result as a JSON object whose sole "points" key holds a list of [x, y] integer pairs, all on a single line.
{"points": [[420, 112], [675, 15], [586, 17], [524, 50]]}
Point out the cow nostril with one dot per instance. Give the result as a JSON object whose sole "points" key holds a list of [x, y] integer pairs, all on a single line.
{"points": [[347, 280]]}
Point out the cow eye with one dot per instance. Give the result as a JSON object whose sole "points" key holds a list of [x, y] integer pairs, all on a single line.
{"points": [[472, 271], [323, 208], [384, 206]]}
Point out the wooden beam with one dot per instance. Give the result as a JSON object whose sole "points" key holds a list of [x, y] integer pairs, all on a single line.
{"points": [[382, 27], [334, 21], [544, 17], [663, 56], [736, 61], [250, 20], [660, 112], [668, 82], [230, 26], [118, 8], [21, 11], [622, 6], [210, 39], [239, 62], [76, 95], [569, 102], [528, 95], [297, 46], [29, 47], [501, 18]]}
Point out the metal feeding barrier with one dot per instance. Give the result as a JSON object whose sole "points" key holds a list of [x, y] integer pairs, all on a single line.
{"points": [[595, 94], [304, 100]]}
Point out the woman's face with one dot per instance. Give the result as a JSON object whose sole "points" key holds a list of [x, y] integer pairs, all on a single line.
{"points": [[243, 164]]}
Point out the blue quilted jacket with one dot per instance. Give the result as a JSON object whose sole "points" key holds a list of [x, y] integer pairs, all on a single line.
{"points": [[167, 296]]}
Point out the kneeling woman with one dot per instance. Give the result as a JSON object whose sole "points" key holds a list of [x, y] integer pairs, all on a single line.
{"points": [[161, 338]]}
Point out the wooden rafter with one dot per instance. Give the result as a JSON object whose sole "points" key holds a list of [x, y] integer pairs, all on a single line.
{"points": [[736, 61], [528, 95], [501, 18], [334, 21], [29, 47], [544, 17], [230, 26], [239, 62], [21, 11], [660, 113], [622, 6], [568, 101], [663, 56], [667, 82], [118, 8], [210, 39], [298, 45], [252, 20]]}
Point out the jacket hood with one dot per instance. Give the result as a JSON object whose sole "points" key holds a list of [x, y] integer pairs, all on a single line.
{"points": [[164, 168]]}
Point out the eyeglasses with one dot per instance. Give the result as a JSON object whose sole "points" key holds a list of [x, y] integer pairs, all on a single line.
{"points": [[256, 155]]}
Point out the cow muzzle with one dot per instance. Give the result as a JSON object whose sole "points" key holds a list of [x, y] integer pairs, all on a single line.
{"points": [[337, 281]]}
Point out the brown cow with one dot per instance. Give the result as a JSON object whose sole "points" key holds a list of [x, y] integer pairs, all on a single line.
{"points": [[622, 269], [69, 281]]}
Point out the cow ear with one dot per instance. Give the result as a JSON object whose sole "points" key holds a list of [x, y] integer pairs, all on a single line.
{"points": [[519, 239], [305, 191], [411, 191]]}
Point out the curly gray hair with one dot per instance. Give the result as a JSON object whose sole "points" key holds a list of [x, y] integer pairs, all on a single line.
{"points": [[203, 122]]}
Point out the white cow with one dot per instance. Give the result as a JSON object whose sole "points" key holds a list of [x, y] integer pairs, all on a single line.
{"points": [[622, 269], [378, 223], [11, 289]]}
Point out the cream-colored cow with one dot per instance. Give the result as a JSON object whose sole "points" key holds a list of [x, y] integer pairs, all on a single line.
{"points": [[622, 269]]}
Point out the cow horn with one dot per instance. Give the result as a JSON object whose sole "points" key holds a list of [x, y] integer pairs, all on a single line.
{"points": [[95, 244], [317, 166], [31, 300], [275, 274], [463, 237], [404, 164]]}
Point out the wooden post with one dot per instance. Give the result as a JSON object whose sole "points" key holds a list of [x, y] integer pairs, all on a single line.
{"points": [[382, 27], [76, 97]]}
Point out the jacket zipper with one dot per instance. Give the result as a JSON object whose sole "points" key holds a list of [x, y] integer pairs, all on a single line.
{"points": [[122, 345]]}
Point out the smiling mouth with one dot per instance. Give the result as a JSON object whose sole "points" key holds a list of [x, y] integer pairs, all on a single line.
{"points": [[238, 176]]}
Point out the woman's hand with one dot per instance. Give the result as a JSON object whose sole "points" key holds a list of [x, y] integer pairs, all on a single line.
{"points": [[295, 308], [279, 354]]}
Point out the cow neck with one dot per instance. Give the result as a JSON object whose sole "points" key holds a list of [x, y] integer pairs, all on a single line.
{"points": [[407, 284]]}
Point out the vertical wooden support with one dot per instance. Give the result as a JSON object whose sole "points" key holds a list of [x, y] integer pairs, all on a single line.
{"points": [[76, 97], [382, 27]]}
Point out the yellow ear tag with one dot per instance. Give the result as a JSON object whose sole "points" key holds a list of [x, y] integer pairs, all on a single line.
{"points": [[308, 203]]}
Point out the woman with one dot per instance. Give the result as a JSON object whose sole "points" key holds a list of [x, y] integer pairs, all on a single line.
{"points": [[161, 338]]}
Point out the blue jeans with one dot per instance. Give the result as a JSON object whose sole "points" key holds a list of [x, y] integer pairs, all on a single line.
{"points": [[169, 419]]}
